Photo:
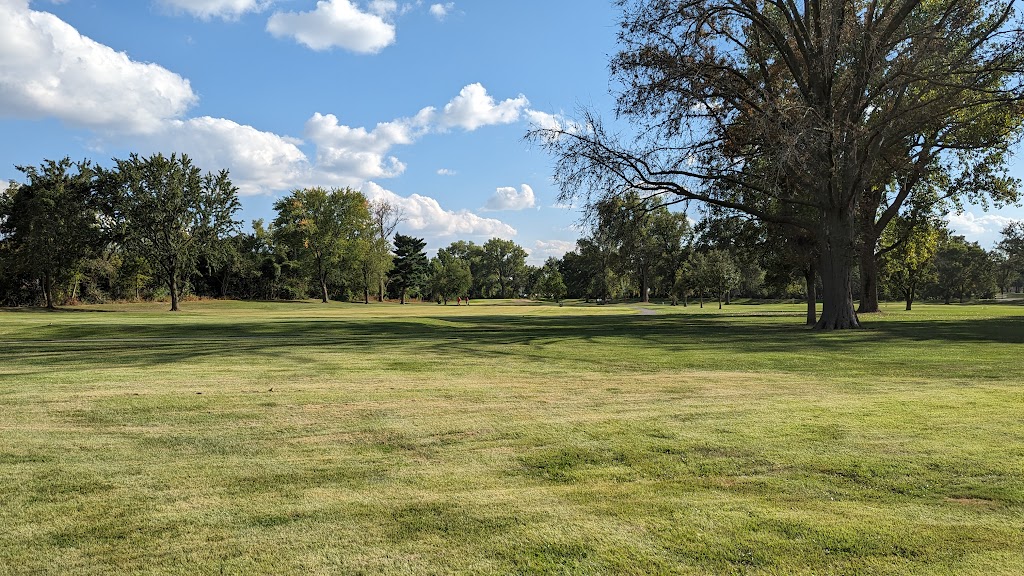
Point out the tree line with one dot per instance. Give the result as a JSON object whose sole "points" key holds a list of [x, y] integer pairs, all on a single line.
{"points": [[639, 249], [159, 227]]}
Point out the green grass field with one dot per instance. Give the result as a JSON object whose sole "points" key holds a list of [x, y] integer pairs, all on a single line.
{"points": [[300, 438]]}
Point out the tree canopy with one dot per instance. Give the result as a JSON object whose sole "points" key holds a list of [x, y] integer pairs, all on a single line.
{"points": [[169, 212]]}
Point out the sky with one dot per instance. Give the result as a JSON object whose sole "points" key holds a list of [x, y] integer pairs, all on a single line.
{"points": [[420, 103]]}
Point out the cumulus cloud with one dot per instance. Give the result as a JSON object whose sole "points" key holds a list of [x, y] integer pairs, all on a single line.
{"points": [[259, 162], [446, 172], [441, 11], [358, 153], [544, 121], [982, 229], [474, 107], [425, 216], [508, 198], [48, 69], [544, 249], [225, 9], [382, 8], [335, 23]]}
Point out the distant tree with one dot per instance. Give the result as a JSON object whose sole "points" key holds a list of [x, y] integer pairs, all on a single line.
{"points": [[321, 228], [963, 269], [505, 261], [170, 213], [449, 276], [672, 239], [549, 283], [385, 218], [715, 272], [1011, 265], [911, 263], [575, 271], [743, 238], [51, 223], [410, 264], [472, 254], [625, 223]]}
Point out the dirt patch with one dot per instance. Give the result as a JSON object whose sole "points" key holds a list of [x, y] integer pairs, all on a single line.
{"points": [[975, 502]]}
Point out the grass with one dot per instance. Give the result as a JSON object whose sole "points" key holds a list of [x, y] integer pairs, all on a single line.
{"points": [[278, 438]]}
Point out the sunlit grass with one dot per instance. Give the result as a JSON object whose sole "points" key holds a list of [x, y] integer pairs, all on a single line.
{"points": [[243, 438]]}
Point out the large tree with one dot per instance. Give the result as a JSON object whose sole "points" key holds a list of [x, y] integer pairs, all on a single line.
{"points": [[52, 222], [322, 227], [549, 282], [410, 265], [505, 262], [785, 110], [384, 220], [449, 276], [169, 212]]}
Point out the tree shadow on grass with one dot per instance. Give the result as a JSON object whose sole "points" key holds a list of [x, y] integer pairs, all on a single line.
{"points": [[57, 310], [138, 343]]}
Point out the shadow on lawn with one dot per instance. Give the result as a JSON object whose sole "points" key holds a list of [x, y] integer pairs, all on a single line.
{"points": [[139, 343]]}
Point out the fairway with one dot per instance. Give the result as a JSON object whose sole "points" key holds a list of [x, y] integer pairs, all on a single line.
{"points": [[510, 438]]}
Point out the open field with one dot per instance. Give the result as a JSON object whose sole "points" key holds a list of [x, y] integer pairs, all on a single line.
{"points": [[279, 438]]}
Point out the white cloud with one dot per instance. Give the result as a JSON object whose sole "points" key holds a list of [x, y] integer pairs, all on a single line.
{"points": [[983, 229], [425, 216], [348, 155], [335, 23], [544, 121], [474, 107], [446, 172], [259, 162], [441, 11], [358, 153], [226, 9], [508, 198], [48, 69], [544, 249], [382, 8]]}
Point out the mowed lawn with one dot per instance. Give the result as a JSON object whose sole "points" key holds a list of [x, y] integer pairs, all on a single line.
{"points": [[301, 438]]}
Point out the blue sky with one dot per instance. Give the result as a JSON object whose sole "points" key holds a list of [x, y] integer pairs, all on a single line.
{"points": [[422, 103]]}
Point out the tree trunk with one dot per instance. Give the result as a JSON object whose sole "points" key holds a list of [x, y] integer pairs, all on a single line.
{"points": [[402, 299], [48, 290], [868, 277], [644, 288], [173, 285], [836, 268], [702, 300], [719, 300], [910, 297], [321, 275], [812, 295]]}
